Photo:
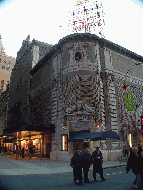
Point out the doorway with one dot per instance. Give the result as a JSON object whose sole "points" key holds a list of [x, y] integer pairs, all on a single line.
{"points": [[48, 150], [81, 145], [86, 145]]}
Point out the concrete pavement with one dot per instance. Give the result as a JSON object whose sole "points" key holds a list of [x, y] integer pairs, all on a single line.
{"points": [[44, 166]]}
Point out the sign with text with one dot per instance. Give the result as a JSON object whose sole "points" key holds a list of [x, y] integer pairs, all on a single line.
{"points": [[129, 101], [87, 140]]}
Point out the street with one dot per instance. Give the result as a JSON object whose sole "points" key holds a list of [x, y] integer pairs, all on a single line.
{"points": [[116, 179]]}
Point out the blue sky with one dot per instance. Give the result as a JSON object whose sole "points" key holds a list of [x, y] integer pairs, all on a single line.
{"points": [[41, 20]]}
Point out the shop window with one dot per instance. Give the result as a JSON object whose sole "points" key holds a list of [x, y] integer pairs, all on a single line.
{"points": [[8, 65], [64, 142], [2, 83], [3, 65]]}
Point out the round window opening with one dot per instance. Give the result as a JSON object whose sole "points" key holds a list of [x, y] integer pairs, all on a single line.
{"points": [[78, 56]]}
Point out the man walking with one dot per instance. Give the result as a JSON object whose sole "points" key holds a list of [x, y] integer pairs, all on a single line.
{"points": [[134, 164], [97, 163], [86, 163]]}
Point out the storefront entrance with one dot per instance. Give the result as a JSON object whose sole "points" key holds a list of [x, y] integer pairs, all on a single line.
{"points": [[81, 145]]}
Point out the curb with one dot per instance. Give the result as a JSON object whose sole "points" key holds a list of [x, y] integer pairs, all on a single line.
{"points": [[104, 167]]}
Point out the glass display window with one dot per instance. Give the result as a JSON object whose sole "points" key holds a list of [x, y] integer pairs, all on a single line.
{"points": [[36, 146]]}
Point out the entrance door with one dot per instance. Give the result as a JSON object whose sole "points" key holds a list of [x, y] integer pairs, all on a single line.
{"points": [[48, 150], [78, 145], [86, 145]]}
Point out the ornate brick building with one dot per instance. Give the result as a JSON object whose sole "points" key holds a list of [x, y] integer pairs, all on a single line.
{"points": [[18, 119], [77, 87], [83, 77]]}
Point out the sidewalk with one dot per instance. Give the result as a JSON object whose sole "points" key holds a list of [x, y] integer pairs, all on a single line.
{"points": [[44, 166]]}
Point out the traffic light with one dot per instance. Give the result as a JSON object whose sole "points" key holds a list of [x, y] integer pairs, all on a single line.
{"points": [[125, 86]]}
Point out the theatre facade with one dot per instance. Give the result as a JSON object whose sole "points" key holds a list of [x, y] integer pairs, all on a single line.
{"points": [[73, 96]]}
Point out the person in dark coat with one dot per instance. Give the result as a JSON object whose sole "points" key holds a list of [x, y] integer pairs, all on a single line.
{"points": [[23, 152], [134, 164], [5, 150], [76, 163], [141, 167], [31, 151], [86, 162], [97, 163], [139, 150], [125, 153]]}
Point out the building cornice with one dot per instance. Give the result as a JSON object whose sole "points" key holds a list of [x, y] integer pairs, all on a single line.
{"points": [[89, 37]]}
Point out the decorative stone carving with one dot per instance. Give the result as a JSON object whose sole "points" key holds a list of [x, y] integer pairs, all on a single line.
{"points": [[80, 108], [79, 126]]}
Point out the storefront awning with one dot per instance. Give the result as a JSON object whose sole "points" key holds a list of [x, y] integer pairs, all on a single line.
{"points": [[30, 127], [6, 140], [39, 128], [87, 137], [109, 135], [83, 137]]}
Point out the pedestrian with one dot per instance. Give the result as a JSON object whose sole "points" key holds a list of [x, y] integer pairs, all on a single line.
{"points": [[86, 163], [134, 164], [31, 151], [76, 163], [141, 167], [5, 150], [139, 150], [23, 152], [125, 153], [97, 163]]}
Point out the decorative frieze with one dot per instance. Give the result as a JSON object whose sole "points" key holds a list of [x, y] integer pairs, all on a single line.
{"points": [[79, 125]]}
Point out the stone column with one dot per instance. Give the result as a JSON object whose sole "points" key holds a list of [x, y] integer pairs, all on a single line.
{"points": [[104, 78]]}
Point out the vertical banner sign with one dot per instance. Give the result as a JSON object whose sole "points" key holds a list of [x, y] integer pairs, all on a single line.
{"points": [[129, 101]]}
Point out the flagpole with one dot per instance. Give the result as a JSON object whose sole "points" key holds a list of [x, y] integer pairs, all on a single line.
{"points": [[126, 120], [126, 125]]}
